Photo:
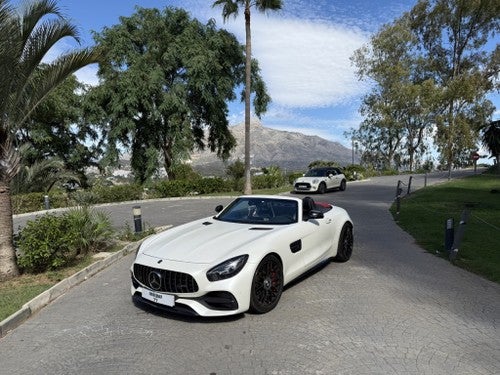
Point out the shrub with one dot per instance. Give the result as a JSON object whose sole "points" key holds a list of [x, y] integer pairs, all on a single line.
{"points": [[30, 202], [172, 188], [293, 176], [50, 242], [354, 172], [117, 193], [268, 181]]}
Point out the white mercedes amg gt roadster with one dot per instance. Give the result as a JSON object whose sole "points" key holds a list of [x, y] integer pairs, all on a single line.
{"points": [[241, 258]]}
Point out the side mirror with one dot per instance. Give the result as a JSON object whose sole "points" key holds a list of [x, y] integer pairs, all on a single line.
{"points": [[219, 208]]}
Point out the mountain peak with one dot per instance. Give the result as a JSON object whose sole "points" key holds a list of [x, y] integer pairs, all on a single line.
{"points": [[291, 151]]}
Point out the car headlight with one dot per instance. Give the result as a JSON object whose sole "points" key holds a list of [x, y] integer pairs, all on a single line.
{"points": [[227, 269], [315, 181]]}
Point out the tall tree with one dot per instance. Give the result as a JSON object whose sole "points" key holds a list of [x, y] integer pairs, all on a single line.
{"points": [[56, 129], [165, 84], [25, 38], [453, 37], [491, 140], [398, 111], [231, 8]]}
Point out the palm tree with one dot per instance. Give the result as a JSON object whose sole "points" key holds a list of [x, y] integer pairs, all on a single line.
{"points": [[41, 175], [231, 8], [25, 38], [491, 140]]}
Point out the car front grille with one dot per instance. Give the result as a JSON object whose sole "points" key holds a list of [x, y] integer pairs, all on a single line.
{"points": [[302, 186], [164, 280]]}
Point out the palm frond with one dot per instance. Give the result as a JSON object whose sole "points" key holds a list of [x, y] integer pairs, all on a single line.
{"points": [[229, 8]]}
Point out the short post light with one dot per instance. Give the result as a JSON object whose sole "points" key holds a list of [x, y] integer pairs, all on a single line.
{"points": [[136, 210], [46, 202]]}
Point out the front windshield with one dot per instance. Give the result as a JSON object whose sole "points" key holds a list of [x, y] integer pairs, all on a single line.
{"points": [[316, 173], [261, 211]]}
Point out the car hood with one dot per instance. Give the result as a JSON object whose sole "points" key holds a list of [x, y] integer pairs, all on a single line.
{"points": [[309, 179], [204, 241]]}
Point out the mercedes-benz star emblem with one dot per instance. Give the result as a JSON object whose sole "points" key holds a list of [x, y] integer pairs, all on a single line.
{"points": [[154, 279]]}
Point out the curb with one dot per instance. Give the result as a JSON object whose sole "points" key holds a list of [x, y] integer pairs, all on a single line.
{"points": [[43, 299]]}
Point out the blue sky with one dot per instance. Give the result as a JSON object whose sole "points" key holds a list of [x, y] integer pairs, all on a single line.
{"points": [[303, 51]]}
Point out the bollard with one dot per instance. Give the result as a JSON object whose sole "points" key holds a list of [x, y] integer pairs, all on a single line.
{"points": [[425, 179], [449, 233], [46, 202], [459, 234], [399, 190], [409, 185], [136, 210]]}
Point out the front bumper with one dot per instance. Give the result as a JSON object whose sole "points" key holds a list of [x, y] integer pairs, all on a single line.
{"points": [[220, 298], [210, 304], [305, 186]]}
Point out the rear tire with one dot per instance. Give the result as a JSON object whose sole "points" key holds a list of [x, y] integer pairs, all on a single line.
{"points": [[342, 185], [346, 242]]}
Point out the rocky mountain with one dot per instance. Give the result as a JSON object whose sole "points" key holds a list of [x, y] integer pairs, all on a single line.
{"points": [[289, 150]]}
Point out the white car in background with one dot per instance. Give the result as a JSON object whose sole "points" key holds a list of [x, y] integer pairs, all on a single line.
{"points": [[241, 258], [320, 180]]}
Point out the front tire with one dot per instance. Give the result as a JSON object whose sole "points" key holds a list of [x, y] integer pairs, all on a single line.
{"points": [[322, 188], [346, 243], [267, 285]]}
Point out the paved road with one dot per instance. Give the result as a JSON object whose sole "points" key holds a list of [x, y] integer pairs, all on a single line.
{"points": [[392, 309]]}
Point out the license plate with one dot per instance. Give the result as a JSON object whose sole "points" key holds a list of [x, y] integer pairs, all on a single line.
{"points": [[161, 298]]}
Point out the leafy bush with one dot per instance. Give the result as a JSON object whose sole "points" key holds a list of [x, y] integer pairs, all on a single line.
{"points": [[268, 181], [22, 203], [117, 193], [93, 228], [293, 176], [50, 242], [213, 185], [180, 188], [172, 188], [355, 172]]}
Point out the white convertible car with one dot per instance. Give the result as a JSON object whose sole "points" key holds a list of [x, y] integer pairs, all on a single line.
{"points": [[241, 258]]}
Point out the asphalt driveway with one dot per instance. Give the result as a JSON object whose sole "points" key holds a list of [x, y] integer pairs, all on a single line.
{"points": [[392, 309]]}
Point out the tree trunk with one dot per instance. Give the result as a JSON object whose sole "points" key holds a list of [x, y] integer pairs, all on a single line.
{"points": [[8, 265], [248, 72]]}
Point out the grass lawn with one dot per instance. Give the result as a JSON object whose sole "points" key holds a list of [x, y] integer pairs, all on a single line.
{"points": [[424, 213], [16, 292]]}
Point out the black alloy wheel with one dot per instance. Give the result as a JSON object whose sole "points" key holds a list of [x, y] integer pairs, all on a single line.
{"points": [[346, 243], [322, 188], [267, 285], [342, 185]]}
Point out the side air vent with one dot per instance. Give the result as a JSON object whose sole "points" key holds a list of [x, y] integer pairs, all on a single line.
{"points": [[296, 246]]}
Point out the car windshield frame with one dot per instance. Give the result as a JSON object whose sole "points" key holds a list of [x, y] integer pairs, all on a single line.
{"points": [[260, 211], [316, 172]]}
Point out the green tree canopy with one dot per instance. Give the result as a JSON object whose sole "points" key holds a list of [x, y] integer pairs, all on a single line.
{"points": [[56, 130], [453, 40], [432, 69], [164, 88]]}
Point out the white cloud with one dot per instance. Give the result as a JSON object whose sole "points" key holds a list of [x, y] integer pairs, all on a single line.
{"points": [[305, 63], [88, 75]]}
